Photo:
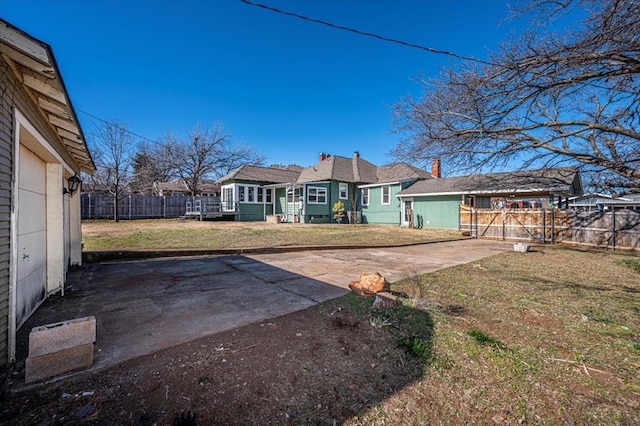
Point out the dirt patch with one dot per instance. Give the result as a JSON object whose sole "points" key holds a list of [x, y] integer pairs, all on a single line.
{"points": [[548, 337], [322, 365]]}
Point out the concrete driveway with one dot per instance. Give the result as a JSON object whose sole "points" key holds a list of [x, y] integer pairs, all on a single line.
{"points": [[145, 306]]}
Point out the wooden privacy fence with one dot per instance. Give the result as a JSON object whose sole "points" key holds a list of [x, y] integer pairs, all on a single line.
{"points": [[100, 206], [613, 229]]}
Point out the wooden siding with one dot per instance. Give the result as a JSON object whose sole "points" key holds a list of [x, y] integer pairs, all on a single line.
{"points": [[14, 97], [616, 230], [7, 89], [318, 213], [251, 211], [378, 213], [438, 212]]}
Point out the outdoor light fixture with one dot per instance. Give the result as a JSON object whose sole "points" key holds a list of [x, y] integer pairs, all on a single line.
{"points": [[74, 183]]}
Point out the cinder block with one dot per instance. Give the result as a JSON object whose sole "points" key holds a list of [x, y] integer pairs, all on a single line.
{"points": [[53, 364], [51, 338], [385, 300]]}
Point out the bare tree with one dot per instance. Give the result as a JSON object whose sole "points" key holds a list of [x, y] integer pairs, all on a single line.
{"points": [[112, 148], [151, 164], [208, 153], [543, 100]]}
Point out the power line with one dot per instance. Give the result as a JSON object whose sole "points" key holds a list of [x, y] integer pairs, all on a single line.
{"points": [[124, 129], [367, 34], [412, 45]]}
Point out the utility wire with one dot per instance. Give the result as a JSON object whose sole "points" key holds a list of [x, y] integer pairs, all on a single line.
{"points": [[124, 129], [367, 34], [408, 44]]}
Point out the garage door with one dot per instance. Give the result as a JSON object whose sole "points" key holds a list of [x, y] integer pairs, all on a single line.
{"points": [[32, 235]]}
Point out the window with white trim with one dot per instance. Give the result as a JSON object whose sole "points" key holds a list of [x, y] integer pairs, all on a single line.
{"points": [[293, 196], [364, 192], [249, 194], [386, 194], [343, 190], [316, 195], [268, 195]]}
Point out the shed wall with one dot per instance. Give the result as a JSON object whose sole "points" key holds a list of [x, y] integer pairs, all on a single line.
{"points": [[439, 212]]}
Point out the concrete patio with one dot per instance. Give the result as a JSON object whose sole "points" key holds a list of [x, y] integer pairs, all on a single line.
{"points": [[146, 306]]}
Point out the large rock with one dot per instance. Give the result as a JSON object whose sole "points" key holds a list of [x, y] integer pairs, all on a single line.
{"points": [[369, 284]]}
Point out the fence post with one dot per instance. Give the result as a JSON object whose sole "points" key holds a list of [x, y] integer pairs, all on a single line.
{"points": [[164, 207], [613, 228], [553, 228], [476, 222], [544, 226], [129, 206]]}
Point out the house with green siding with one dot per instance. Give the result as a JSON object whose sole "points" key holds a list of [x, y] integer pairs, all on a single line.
{"points": [[368, 192], [379, 200], [255, 192], [435, 203]]}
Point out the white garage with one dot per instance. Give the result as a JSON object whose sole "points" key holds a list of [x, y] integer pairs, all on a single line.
{"points": [[42, 151]]}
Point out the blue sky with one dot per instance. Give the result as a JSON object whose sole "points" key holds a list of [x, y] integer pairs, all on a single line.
{"points": [[288, 87]]}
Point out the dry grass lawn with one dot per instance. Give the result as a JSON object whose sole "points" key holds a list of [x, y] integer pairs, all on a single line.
{"points": [[550, 337], [175, 234]]}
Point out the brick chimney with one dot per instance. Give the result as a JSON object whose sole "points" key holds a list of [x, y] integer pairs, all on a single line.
{"points": [[356, 154], [323, 156], [435, 168]]}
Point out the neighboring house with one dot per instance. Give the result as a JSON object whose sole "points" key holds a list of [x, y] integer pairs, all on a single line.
{"points": [[255, 192], [435, 203], [206, 188], [42, 149], [605, 202]]}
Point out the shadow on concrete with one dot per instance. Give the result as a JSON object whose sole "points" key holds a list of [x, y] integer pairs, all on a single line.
{"points": [[144, 306]]}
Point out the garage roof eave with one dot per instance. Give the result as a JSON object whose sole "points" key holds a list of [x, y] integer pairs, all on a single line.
{"points": [[35, 66]]}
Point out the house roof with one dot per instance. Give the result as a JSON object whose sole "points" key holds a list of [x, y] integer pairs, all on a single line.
{"points": [[181, 186], [263, 174], [595, 199], [33, 64], [559, 181], [400, 171], [335, 167]]}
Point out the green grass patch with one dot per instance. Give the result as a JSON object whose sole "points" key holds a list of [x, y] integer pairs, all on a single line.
{"points": [[485, 340], [416, 346], [631, 263]]}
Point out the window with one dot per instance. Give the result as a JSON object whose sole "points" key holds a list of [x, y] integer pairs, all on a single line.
{"points": [[249, 194], [386, 194], [293, 196], [316, 195], [227, 198], [269, 195], [261, 194], [343, 190], [365, 196]]}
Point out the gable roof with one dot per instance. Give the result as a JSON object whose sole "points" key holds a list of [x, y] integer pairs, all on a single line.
{"points": [[180, 185], [399, 172], [560, 181], [343, 169], [33, 64], [262, 174]]}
